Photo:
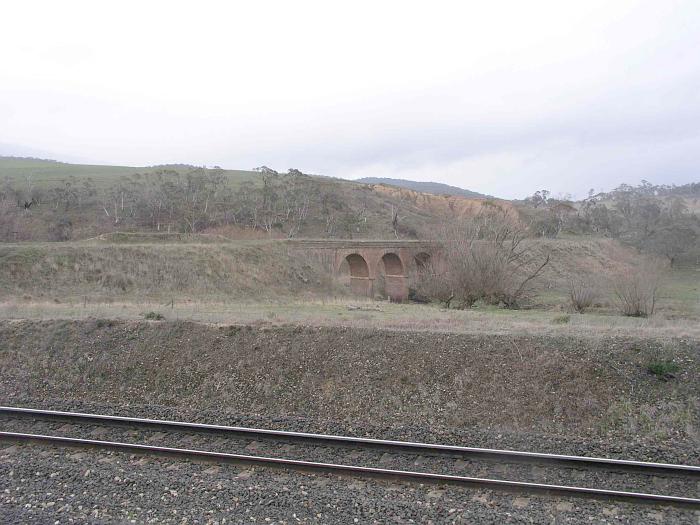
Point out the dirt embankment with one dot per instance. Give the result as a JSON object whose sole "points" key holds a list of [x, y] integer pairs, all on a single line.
{"points": [[559, 385], [442, 206]]}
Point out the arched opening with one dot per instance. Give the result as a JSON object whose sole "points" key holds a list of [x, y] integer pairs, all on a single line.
{"points": [[392, 264], [354, 273], [358, 265], [391, 280]]}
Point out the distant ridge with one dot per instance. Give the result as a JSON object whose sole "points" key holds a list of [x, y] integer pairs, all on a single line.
{"points": [[436, 188]]}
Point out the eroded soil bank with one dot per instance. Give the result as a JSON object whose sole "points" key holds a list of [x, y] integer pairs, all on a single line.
{"points": [[597, 387]]}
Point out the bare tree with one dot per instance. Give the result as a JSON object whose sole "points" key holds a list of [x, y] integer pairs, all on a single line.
{"points": [[636, 290], [582, 293], [395, 220], [485, 258]]}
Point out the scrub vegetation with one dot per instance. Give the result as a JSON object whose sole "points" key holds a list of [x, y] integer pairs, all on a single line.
{"points": [[176, 285]]}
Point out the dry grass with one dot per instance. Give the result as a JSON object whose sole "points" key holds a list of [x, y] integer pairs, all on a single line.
{"points": [[335, 312], [241, 281], [135, 271]]}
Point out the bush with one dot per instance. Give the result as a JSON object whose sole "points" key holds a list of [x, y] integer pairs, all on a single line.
{"points": [[636, 290], [432, 283], [483, 258], [582, 294], [415, 296], [154, 316], [60, 230], [663, 369]]}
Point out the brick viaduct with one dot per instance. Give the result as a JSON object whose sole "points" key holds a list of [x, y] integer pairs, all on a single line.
{"points": [[371, 265]]}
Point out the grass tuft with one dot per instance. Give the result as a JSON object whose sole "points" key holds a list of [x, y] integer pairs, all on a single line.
{"points": [[663, 369]]}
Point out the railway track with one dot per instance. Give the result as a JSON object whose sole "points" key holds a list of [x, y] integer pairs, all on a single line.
{"points": [[685, 477]]}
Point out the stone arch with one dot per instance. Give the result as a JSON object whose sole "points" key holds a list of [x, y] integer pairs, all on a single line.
{"points": [[358, 266], [358, 269], [392, 264], [393, 283]]}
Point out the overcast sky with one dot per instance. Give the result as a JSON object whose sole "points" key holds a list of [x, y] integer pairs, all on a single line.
{"points": [[499, 97]]}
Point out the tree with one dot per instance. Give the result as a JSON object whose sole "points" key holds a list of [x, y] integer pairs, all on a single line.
{"points": [[673, 240], [539, 198], [485, 258], [265, 170]]}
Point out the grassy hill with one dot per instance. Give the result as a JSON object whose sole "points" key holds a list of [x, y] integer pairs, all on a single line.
{"points": [[199, 267], [436, 188], [46, 200], [76, 201], [46, 173]]}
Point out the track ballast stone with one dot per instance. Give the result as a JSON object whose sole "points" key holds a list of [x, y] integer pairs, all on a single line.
{"points": [[43, 484], [442, 388]]}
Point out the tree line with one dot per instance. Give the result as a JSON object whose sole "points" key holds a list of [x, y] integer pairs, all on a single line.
{"points": [[660, 220], [172, 200]]}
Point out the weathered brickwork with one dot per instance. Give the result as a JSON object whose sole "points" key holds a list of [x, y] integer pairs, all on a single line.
{"points": [[369, 262]]}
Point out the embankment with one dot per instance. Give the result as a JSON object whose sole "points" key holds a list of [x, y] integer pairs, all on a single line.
{"points": [[234, 270], [555, 384]]}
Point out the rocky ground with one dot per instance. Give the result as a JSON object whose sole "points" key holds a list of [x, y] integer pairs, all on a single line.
{"points": [[528, 393], [559, 385], [43, 484]]}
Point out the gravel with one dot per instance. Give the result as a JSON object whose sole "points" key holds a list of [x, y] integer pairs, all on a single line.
{"points": [[527, 393], [463, 466], [554, 385], [42, 484]]}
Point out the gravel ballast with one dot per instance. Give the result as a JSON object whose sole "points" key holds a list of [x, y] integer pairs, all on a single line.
{"points": [[467, 465], [563, 395], [43, 484]]}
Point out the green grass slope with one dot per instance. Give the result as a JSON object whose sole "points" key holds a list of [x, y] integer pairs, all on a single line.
{"points": [[46, 173]]}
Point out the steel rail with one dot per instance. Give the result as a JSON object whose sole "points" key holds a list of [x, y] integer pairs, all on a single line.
{"points": [[313, 466], [389, 445]]}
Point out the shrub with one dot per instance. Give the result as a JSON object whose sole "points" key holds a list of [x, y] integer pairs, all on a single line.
{"points": [[663, 369], [561, 319], [433, 283], [60, 230], [483, 258], [636, 290], [415, 295], [154, 316], [582, 294]]}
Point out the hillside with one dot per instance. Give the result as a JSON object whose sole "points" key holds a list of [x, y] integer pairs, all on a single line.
{"points": [[194, 268], [46, 200], [436, 188], [46, 173]]}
